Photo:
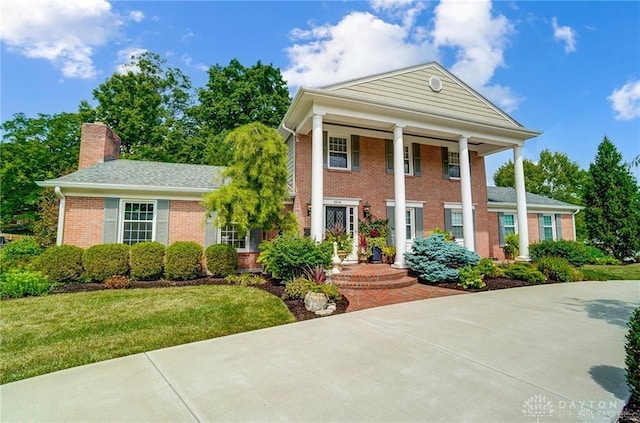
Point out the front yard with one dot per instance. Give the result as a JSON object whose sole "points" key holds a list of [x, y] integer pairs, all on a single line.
{"points": [[45, 334], [594, 272]]}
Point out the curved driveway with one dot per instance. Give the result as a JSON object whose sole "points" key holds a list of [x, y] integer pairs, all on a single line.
{"points": [[550, 353]]}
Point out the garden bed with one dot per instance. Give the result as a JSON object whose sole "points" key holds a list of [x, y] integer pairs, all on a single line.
{"points": [[296, 307], [492, 284]]}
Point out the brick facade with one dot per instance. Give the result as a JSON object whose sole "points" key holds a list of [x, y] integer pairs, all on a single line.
{"points": [[186, 221], [99, 144], [83, 218], [374, 185]]}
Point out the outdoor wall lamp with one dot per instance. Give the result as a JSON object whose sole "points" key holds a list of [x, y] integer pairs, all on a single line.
{"points": [[309, 208], [366, 210]]}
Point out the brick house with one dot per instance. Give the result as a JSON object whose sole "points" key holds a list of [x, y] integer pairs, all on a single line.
{"points": [[345, 142]]}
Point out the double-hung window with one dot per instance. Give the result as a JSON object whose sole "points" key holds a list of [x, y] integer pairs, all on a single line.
{"points": [[229, 235], [509, 224], [548, 228], [454, 164], [338, 151], [456, 224], [137, 221], [410, 223], [408, 161]]}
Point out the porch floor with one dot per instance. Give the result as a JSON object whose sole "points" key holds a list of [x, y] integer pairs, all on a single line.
{"points": [[375, 285]]}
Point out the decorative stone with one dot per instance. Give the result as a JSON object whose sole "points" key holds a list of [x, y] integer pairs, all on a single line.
{"points": [[325, 312], [315, 301], [331, 306]]}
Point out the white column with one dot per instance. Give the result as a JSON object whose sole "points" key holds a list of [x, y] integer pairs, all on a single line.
{"points": [[521, 204], [400, 198], [61, 211], [317, 231], [465, 189]]}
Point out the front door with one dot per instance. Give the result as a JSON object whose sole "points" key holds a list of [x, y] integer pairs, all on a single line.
{"points": [[336, 216]]}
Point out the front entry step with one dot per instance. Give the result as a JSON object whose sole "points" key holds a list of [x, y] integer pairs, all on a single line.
{"points": [[373, 276]]}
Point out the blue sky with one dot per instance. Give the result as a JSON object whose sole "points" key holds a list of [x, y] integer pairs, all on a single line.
{"points": [[569, 68]]}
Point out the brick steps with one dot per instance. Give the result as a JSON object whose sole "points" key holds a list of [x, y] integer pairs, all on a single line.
{"points": [[373, 276]]}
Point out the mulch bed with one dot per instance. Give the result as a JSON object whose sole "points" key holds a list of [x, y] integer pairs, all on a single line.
{"points": [[272, 286], [492, 284], [631, 412]]}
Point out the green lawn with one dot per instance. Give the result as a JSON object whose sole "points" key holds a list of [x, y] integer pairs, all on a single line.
{"points": [[44, 334], [610, 272]]}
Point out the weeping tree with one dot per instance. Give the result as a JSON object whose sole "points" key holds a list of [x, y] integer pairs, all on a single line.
{"points": [[612, 200], [256, 182]]}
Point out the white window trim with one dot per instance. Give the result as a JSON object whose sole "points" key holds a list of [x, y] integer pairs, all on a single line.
{"points": [[554, 234], [455, 178], [409, 148], [121, 208], [412, 224], [348, 141], [515, 221], [247, 244]]}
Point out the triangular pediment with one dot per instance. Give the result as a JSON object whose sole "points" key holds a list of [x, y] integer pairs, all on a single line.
{"points": [[427, 87]]}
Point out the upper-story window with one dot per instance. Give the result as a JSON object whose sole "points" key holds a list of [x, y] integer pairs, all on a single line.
{"points": [[454, 164], [338, 151], [411, 160], [408, 166]]}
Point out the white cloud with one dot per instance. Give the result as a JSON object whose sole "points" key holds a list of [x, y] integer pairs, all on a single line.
{"points": [[364, 43], [137, 15], [360, 44], [626, 101], [65, 32], [126, 61], [188, 60], [564, 34]]}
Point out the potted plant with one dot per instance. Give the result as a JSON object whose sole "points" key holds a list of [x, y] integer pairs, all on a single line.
{"points": [[363, 248], [376, 232], [389, 254], [342, 238], [511, 246]]}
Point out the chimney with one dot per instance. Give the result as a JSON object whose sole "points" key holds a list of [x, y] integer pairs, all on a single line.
{"points": [[98, 144]]}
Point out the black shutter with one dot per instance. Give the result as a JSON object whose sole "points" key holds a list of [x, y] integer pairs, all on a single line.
{"points": [[388, 147], [355, 153], [419, 222], [325, 148], [540, 227], [445, 162], [417, 161], [447, 221]]}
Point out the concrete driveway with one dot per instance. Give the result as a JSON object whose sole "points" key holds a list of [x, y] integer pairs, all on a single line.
{"points": [[550, 353]]}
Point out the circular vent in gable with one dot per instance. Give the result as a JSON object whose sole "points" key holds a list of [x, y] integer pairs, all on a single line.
{"points": [[435, 84]]}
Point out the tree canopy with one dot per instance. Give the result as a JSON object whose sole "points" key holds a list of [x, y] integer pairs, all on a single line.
{"points": [[257, 181], [612, 200], [35, 149]]}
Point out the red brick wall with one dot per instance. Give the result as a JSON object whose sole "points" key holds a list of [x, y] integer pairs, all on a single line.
{"points": [[186, 221], [98, 144], [375, 185], [83, 221]]}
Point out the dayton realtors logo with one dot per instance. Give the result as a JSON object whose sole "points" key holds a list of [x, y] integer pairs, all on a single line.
{"points": [[537, 406]]}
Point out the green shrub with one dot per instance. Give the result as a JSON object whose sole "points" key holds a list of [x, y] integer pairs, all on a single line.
{"points": [[632, 356], [575, 252], [298, 288], [147, 261], [435, 259], [511, 245], [117, 282], [490, 269], [287, 256], [597, 256], [183, 261], [246, 279], [61, 263], [470, 277], [524, 272], [16, 283], [105, 260], [19, 253], [222, 260], [558, 269], [606, 260]]}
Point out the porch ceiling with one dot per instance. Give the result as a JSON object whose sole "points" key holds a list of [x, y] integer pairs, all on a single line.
{"points": [[377, 119]]}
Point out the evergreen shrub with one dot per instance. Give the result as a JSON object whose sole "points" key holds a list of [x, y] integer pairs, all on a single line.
{"points": [[183, 261], [61, 263], [489, 268], [19, 253], [524, 272], [574, 251], [436, 260], [632, 354], [470, 277], [105, 260], [287, 256], [222, 260], [558, 269], [147, 261]]}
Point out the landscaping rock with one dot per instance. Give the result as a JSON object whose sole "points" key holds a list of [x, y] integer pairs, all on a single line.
{"points": [[315, 301], [325, 312]]}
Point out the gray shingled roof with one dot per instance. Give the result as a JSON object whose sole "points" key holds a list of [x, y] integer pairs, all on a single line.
{"points": [[508, 195], [144, 174]]}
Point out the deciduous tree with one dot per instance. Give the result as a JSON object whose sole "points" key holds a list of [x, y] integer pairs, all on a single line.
{"points": [[257, 178], [612, 200]]}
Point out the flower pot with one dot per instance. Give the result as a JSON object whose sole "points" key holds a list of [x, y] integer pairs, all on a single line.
{"points": [[377, 255]]}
